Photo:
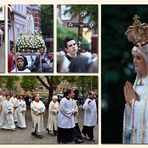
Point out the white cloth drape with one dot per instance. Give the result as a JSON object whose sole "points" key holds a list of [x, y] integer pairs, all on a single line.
{"points": [[21, 122], [52, 115]]}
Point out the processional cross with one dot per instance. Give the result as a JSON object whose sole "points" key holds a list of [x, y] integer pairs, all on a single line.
{"points": [[80, 25]]}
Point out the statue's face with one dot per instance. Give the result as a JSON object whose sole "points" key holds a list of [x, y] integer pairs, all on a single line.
{"points": [[139, 62], [72, 48]]}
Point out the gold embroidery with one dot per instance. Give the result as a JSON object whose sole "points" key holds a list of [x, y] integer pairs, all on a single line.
{"points": [[143, 123]]}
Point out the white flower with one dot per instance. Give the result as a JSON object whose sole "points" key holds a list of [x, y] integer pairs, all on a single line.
{"points": [[26, 42]]}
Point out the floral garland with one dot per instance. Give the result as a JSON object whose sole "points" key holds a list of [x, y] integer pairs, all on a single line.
{"points": [[28, 42]]}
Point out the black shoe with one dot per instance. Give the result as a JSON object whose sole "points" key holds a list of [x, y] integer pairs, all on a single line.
{"points": [[92, 140], [47, 130], [84, 134], [33, 134], [55, 133], [39, 136], [79, 141]]}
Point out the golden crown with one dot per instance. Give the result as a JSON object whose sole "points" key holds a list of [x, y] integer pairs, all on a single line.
{"points": [[137, 33]]}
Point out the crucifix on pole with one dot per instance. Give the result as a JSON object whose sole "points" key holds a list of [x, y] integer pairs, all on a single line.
{"points": [[80, 25]]}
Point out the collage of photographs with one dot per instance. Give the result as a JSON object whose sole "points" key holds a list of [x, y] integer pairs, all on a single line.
{"points": [[74, 73], [49, 79]]}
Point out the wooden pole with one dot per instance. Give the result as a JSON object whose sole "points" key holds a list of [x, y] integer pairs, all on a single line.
{"points": [[14, 43], [11, 15], [80, 25]]}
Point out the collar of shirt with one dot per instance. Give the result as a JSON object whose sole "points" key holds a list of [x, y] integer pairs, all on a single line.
{"points": [[69, 58]]}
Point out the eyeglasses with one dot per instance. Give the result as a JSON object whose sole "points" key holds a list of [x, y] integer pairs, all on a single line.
{"points": [[74, 44]]}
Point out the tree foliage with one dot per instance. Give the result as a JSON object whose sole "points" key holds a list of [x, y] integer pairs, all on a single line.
{"points": [[8, 83], [47, 20], [84, 83], [91, 12], [116, 65], [28, 83]]}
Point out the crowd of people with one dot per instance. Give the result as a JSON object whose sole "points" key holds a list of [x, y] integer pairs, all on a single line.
{"points": [[43, 62], [68, 60], [62, 116]]}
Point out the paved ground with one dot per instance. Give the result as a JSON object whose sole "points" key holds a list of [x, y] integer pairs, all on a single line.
{"points": [[20, 136], [2, 58]]}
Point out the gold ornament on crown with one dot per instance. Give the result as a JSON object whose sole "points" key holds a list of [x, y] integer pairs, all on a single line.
{"points": [[137, 33]]}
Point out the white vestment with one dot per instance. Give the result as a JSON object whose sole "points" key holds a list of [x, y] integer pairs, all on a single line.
{"points": [[1, 102], [52, 115], [37, 111], [14, 102], [65, 65], [2, 98], [139, 112], [24, 71], [66, 114], [8, 120], [21, 122], [90, 113], [75, 106]]}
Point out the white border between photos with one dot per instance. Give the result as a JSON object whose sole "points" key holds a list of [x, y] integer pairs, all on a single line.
{"points": [[55, 3]]}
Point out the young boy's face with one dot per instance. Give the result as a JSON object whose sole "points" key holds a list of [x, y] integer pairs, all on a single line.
{"points": [[72, 48]]}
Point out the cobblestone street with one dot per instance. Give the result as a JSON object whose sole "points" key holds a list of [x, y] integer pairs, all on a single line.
{"points": [[23, 136]]}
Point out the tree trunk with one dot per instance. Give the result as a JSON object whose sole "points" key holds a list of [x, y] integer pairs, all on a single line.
{"points": [[49, 87]]}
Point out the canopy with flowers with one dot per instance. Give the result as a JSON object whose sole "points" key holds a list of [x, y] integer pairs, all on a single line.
{"points": [[27, 42]]}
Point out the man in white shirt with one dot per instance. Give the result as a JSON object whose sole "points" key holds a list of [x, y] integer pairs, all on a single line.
{"points": [[65, 119], [71, 50], [38, 63], [90, 116]]}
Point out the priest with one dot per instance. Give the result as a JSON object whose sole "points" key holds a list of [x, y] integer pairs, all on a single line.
{"points": [[65, 120], [90, 116], [37, 112]]}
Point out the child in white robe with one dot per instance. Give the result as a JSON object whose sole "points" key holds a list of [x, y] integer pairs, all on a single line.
{"points": [[13, 99], [8, 119], [21, 109]]}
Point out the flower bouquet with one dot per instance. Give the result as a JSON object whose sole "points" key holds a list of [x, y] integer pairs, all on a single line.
{"points": [[27, 42]]}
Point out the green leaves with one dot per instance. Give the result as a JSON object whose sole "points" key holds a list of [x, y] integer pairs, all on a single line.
{"points": [[28, 83], [47, 20], [8, 83]]}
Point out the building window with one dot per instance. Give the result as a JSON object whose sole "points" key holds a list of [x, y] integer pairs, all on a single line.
{"points": [[41, 89], [1, 12], [36, 25], [36, 19]]}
